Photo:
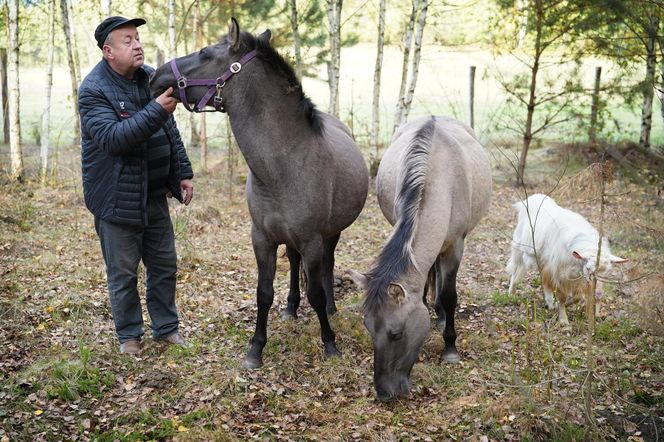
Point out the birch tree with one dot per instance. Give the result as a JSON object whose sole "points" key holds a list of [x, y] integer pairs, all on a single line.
{"points": [[407, 40], [375, 104], [171, 29], [202, 134], [16, 150], [46, 115], [415, 67], [649, 83], [333, 66], [297, 41], [105, 8], [64, 9]]}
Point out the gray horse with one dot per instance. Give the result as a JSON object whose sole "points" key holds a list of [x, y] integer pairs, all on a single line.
{"points": [[307, 179], [433, 186]]}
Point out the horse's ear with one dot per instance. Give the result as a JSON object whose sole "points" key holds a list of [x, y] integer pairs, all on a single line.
{"points": [[265, 37], [234, 34], [358, 278], [396, 293]]}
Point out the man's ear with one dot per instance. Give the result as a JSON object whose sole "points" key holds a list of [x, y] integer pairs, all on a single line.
{"points": [[358, 278], [234, 34], [396, 293]]}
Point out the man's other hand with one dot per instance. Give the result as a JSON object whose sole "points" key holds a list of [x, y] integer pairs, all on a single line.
{"points": [[167, 101], [187, 188]]}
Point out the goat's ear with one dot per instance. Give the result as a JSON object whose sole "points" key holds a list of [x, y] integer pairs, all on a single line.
{"points": [[360, 279], [265, 37], [396, 293], [234, 34], [577, 255], [617, 259]]}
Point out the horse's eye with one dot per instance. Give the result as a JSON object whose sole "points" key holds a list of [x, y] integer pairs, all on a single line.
{"points": [[204, 54], [394, 336]]}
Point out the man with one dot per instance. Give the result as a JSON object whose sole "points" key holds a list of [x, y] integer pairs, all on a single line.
{"points": [[132, 158]]}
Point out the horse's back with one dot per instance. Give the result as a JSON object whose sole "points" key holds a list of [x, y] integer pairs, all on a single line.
{"points": [[458, 173]]}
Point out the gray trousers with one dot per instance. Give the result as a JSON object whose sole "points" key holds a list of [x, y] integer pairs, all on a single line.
{"points": [[123, 248]]}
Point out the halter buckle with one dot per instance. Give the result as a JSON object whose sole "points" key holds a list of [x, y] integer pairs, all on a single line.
{"points": [[235, 67], [182, 82]]}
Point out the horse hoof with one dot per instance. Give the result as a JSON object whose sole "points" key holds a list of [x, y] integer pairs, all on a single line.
{"points": [[287, 315], [332, 351], [252, 363], [451, 357]]}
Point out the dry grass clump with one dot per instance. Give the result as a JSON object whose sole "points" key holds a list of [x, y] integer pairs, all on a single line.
{"points": [[649, 304]]}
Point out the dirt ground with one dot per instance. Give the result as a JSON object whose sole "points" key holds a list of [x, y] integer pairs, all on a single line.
{"points": [[521, 376]]}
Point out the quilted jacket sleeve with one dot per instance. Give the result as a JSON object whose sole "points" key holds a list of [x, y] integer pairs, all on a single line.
{"points": [[118, 137]]}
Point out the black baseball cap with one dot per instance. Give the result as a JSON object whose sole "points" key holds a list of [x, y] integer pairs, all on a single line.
{"points": [[105, 27]]}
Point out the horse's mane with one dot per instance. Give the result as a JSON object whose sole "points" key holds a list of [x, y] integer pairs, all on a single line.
{"points": [[268, 54], [397, 256]]}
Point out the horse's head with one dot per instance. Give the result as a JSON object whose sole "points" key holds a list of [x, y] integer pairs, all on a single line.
{"points": [[215, 64], [399, 326]]}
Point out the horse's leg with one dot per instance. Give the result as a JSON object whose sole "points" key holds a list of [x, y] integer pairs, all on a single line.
{"points": [[312, 258], [266, 260], [294, 258], [328, 273], [446, 299]]}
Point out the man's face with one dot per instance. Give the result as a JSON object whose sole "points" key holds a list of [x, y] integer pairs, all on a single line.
{"points": [[123, 50]]}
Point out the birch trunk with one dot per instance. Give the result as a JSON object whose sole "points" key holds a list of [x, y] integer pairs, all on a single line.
{"points": [[534, 70], [64, 9], [415, 68], [46, 115], [105, 8], [408, 36], [333, 66], [375, 108], [5, 98], [171, 29], [649, 84], [16, 150], [296, 38], [202, 134], [74, 44]]}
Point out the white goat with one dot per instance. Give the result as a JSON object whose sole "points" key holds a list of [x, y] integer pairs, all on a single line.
{"points": [[565, 245]]}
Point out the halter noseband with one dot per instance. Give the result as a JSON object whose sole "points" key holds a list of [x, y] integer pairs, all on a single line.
{"points": [[215, 85]]}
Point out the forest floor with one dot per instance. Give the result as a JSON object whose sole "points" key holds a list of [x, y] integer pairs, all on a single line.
{"points": [[521, 375]]}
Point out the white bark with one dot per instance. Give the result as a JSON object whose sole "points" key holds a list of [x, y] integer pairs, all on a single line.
{"points": [[16, 150], [105, 8], [74, 44], [64, 9], [334, 20], [375, 108], [171, 29], [46, 115], [296, 38], [415, 68], [407, 39], [649, 88]]}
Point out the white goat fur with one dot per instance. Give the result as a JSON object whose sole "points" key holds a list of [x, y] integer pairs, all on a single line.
{"points": [[566, 247]]}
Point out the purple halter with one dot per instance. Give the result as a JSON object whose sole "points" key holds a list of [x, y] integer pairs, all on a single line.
{"points": [[215, 85]]}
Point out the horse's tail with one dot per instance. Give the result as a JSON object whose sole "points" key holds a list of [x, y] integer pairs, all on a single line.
{"points": [[397, 255]]}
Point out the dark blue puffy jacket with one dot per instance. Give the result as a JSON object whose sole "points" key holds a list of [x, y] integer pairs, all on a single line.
{"points": [[115, 129]]}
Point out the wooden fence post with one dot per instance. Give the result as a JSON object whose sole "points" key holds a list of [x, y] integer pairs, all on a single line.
{"points": [[5, 100], [472, 97], [592, 132]]}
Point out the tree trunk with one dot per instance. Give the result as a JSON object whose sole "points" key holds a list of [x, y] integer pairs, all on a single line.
{"points": [[471, 98], [202, 134], [594, 109], [375, 108], [5, 98], [64, 9], [528, 130], [414, 71], [408, 36], [46, 115], [231, 159], [333, 66], [105, 8], [649, 84], [74, 44], [171, 29], [296, 38], [16, 150]]}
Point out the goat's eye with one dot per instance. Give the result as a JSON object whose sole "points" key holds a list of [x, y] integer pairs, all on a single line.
{"points": [[394, 336]]}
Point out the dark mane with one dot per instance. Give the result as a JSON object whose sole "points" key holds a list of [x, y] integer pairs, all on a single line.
{"points": [[268, 54], [396, 257]]}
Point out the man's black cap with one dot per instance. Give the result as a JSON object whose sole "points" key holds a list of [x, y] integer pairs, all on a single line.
{"points": [[105, 27]]}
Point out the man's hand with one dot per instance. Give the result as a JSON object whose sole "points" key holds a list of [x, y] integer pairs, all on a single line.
{"points": [[167, 101], [187, 188]]}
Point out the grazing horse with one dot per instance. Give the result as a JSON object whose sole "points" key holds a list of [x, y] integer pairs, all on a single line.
{"points": [[433, 186], [307, 179]]}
